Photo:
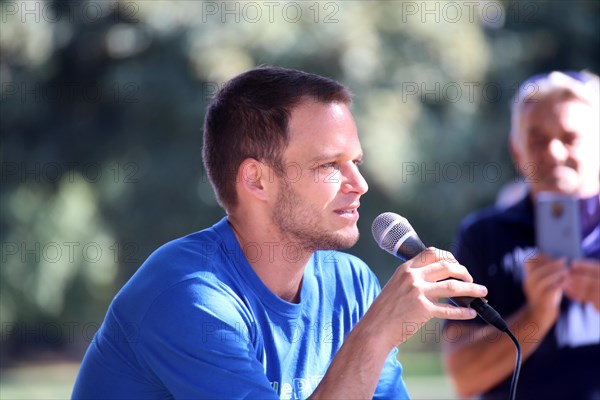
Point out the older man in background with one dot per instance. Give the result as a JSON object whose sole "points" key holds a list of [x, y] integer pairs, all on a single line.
{"points": [[551, 304]]}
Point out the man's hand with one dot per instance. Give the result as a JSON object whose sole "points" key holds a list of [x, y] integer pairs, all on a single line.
{"points": [[583, 282], [410, 299], [412, 295], [543, 286]]}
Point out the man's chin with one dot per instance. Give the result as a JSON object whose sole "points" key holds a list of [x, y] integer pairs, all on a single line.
{"points": [[339, 241], [351, 238], [348, 243], [567, 187], [570, 186]]}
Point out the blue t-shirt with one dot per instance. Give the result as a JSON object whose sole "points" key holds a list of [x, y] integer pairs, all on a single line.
{"points": [[493, 244], [195, 321]]}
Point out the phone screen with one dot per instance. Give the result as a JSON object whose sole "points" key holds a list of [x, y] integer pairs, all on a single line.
{"points": [[558, 231]]}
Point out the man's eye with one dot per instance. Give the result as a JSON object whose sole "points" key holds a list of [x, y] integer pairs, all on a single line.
{"points": [[572, 140], [328, 165], [539, 144]]}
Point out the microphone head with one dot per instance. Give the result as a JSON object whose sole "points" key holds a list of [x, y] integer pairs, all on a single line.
{"points": [[388, 229]]}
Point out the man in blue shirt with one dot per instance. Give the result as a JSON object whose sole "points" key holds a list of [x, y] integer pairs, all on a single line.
{"points": [[261, 305], [551, 305]]}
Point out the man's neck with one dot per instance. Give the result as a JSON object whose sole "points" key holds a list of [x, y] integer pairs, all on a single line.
{"points": [[279, 262]]}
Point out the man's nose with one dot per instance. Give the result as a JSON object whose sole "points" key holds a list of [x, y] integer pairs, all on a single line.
{"points": [[558, 150]]}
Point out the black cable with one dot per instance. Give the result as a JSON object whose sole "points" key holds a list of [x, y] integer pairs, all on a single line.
{"points": [[491, 316], [517, 371]]}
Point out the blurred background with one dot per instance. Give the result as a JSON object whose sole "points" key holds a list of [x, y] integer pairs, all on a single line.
{"points": [[102, 104]]}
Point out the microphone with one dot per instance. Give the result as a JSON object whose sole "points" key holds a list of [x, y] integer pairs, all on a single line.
{"points": [[395, 235]]}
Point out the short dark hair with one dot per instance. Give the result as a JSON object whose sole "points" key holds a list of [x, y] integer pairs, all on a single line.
{"points": [[249, 117]]}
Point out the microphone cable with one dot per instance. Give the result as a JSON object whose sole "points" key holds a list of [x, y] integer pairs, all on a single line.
{"points": [[515, 376], [491, 316]]}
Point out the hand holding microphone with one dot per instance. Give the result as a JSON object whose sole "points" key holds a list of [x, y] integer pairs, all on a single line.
{"points": [[414, 293], [395, 235]]}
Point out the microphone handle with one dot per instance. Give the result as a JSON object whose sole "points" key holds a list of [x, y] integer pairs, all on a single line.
{"points": [[485, 311], [412, 246]]}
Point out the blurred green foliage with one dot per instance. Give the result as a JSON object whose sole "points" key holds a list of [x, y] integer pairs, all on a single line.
{"points": [[103, 103]]}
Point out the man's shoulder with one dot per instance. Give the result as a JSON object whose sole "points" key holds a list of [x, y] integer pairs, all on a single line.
{"points": [[197, 248], [483, 216], [191, 254], [188, 266], [494, 217]]}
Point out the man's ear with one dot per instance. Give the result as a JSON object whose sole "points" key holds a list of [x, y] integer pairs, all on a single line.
{"points": [[254, 178]]}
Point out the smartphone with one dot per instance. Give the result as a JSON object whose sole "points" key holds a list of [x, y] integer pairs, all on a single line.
{"points": [[557, 225]]}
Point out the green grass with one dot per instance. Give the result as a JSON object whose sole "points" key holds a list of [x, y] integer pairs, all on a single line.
{"points": [[424, 376], [38, 381], [46, 381], [421, 363]]}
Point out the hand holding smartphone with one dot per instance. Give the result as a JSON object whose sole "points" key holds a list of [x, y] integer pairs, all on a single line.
{"points": [[558, 229]]}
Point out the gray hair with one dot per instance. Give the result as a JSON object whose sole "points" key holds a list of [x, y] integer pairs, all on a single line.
{"points": [[577, 85]]}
